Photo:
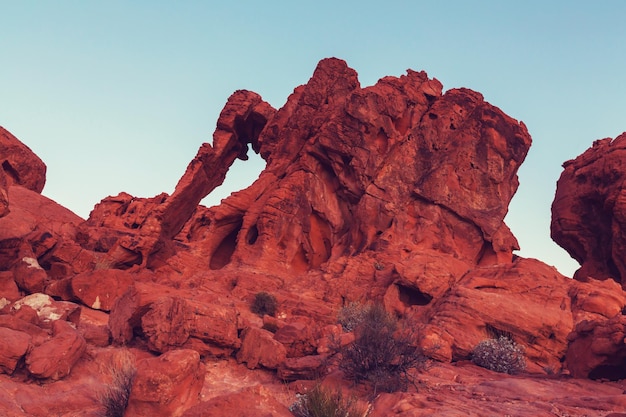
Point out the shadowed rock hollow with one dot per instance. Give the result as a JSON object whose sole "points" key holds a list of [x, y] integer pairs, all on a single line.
{"points": [[394, 193]]}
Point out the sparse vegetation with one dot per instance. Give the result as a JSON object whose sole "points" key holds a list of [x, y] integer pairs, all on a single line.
{"points": [[351, 315], [326, 402], [114, 398], [383, 352], [500, 354], [264, 303]]}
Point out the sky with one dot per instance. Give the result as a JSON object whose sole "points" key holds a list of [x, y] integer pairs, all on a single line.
{"points": [[119, 95]]}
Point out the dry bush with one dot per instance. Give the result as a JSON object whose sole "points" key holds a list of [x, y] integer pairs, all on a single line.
{"points": [[264, 303], [383, 353], [326, 402], [351, 315], [114, 398], [500, 355]]}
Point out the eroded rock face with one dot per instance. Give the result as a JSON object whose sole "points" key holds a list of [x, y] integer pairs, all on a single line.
{"points": [[19, 163], [395, 166], [527, 301], [589, 210]]}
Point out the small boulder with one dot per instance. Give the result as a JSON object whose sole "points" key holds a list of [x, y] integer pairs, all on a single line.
{"points": [[258, 347], [166, 386], [13, 346], [306, 367], [55, 358], [49, 310], [297, 336]]}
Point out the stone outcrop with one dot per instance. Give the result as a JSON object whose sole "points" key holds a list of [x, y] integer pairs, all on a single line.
{"points": [[398, 166], [588, 220], [170, 319], [589, 210]]}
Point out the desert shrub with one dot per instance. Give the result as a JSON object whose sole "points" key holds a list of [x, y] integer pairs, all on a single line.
{"points": [[264, 303], [326, 402], [382, 353], [351, 315], [501, 354], [114, 398]]}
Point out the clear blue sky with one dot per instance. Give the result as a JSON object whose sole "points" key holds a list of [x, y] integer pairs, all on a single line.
{"points": [[118, 96]]}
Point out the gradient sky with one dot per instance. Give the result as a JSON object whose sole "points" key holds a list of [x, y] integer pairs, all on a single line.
{"points": [[118, 96]]}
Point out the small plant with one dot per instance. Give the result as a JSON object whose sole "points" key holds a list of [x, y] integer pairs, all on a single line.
{"points": [[382, 353], [264, 303], [500, 355], [351, 315], [115, 397], [326, 402]]}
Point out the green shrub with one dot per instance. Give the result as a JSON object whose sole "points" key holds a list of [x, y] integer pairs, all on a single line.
{"points": [[114, 398], [264, 303], [500, 355], [382, 353], [326, 402]]}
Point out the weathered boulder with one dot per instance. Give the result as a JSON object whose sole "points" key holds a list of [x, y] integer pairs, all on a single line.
{"points": [[98, 289], [526, 300], [258, 347], [598, 349], [94, 327], [589, 210], [595, 299], [298, 336], [168, 318], [8, 288], [305, 367], [49, 310], [55, 358], [20, 164], [167, 385], [13, 346]]}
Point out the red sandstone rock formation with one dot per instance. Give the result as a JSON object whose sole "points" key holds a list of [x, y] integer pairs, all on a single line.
{"points": [[588, 220], [394, 193], [588, 212]]}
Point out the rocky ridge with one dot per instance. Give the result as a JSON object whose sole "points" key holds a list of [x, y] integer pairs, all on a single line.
{"points": [[394, 193]]}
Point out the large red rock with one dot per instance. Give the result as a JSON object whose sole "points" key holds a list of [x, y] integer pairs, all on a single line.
{"points": [[13, 346], [55, 358], [20, 164], [589, 210], [49, 310], [393, 167], [168, 318], [598, 349], [527, 301], [99, 288], [259, 348], [166, 386]]}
